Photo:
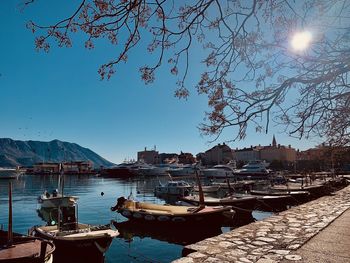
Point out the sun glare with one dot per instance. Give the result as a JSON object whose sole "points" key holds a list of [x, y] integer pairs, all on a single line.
{"points": [[301, 40]]}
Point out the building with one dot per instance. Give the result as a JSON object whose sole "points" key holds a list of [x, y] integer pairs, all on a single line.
{"points": [[247, 154], [46, 168], [78, 167], [277, 152], [73, 167], [186, 158], [148, 156], [219, 154]]}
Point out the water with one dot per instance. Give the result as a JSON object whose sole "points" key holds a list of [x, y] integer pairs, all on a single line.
{"points": [[135, 245]]}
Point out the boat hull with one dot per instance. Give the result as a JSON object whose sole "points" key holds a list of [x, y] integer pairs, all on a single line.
{"points": [[171, 215], [91, 247], [194, 219], [54, 202], [118, 172]]}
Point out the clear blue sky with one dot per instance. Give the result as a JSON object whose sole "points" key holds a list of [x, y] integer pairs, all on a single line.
{"points": [[59, 95]]}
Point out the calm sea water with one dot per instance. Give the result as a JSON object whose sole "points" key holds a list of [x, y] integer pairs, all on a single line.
{"points": [[94, 208]]}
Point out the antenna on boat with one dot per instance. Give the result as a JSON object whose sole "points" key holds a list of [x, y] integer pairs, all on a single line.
{"points": [[230, 188], [9, 231], [201, 195], [61, 179]]}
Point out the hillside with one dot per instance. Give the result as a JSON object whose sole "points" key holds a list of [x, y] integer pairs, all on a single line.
{"points": [[26, 153]]}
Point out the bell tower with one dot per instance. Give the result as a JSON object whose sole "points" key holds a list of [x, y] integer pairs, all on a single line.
{"points": [[274, 143]]}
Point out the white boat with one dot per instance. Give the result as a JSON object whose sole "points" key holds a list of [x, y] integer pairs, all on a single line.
{"points": [[179, 188], [253, 168], [48, 200], [73, 238], [158, 170], [219, 171], [56, 198], [186, 170]]}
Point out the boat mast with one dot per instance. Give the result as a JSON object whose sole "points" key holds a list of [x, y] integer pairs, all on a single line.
{"points": [[201, 195], [9, 231]]}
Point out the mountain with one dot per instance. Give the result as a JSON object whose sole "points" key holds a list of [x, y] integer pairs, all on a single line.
{"points": [[26, 153]]}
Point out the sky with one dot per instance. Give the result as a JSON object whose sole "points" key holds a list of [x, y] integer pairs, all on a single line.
{"points": [[59, 95]]}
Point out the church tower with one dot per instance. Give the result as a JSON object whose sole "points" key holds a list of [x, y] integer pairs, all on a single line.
{"points": [[274, 143]]}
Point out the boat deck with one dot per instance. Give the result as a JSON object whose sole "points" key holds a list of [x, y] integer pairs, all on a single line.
{"points": [[28, 249]]}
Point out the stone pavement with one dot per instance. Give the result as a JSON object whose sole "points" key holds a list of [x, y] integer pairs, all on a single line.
{"points": [[331, 245], [299, 234]]}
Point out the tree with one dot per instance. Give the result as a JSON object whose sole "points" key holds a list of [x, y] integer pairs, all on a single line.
{"points": [[251, 75]]}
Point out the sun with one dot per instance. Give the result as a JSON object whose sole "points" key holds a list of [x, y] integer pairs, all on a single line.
{"points": [[301, 40]]}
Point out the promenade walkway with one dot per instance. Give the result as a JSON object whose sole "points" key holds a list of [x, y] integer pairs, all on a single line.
{"points": [[317, 231]]}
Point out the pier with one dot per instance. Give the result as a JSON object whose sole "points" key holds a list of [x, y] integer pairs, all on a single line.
{"points": [[317, 231]]}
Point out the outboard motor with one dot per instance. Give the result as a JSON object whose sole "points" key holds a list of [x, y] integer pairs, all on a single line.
{"points": [[120, 203]]}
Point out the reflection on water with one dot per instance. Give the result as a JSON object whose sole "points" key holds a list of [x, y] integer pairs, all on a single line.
{"points": [[135, 244]]}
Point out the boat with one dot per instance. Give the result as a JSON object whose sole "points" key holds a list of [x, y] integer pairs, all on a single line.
{"points": [[274, 203], [73, 238], [123, 170], [208, 189], [296, 196], [315, 190], [53, 200], [185, 171], [158, 170], [242, 205], [173, 215], [254, 169], [17, 248], [235, 201], [57, 197], [219, 171], [178, 188]]}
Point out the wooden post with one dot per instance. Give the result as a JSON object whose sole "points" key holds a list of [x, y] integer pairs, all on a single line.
{"points": [[9, 231]]}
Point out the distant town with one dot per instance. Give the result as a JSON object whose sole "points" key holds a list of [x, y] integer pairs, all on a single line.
{"points": [[279, 157]]}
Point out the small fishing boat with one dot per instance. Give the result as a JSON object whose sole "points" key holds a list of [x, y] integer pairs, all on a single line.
{"points": [[178, 188], [17, 248], [174, 214], [238, 202], [171, 214], [57, 197], [73, 238], [274, 203], [296, 196]]}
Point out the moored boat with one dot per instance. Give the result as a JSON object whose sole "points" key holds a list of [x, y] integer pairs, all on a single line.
{"points": [[57, 198], [171, 214], [254, 170], [16, 248], [178, 188], [185, 171]]}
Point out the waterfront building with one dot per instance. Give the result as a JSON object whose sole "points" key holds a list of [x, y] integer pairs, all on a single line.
{"points": [[78, 167], [46, 167], [186, 158], [148, 156], [247, 154], [219, 154], [277, 152], [72, 167]]}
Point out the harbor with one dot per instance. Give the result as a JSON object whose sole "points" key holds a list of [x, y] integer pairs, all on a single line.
{"points": [[275, 233]]}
